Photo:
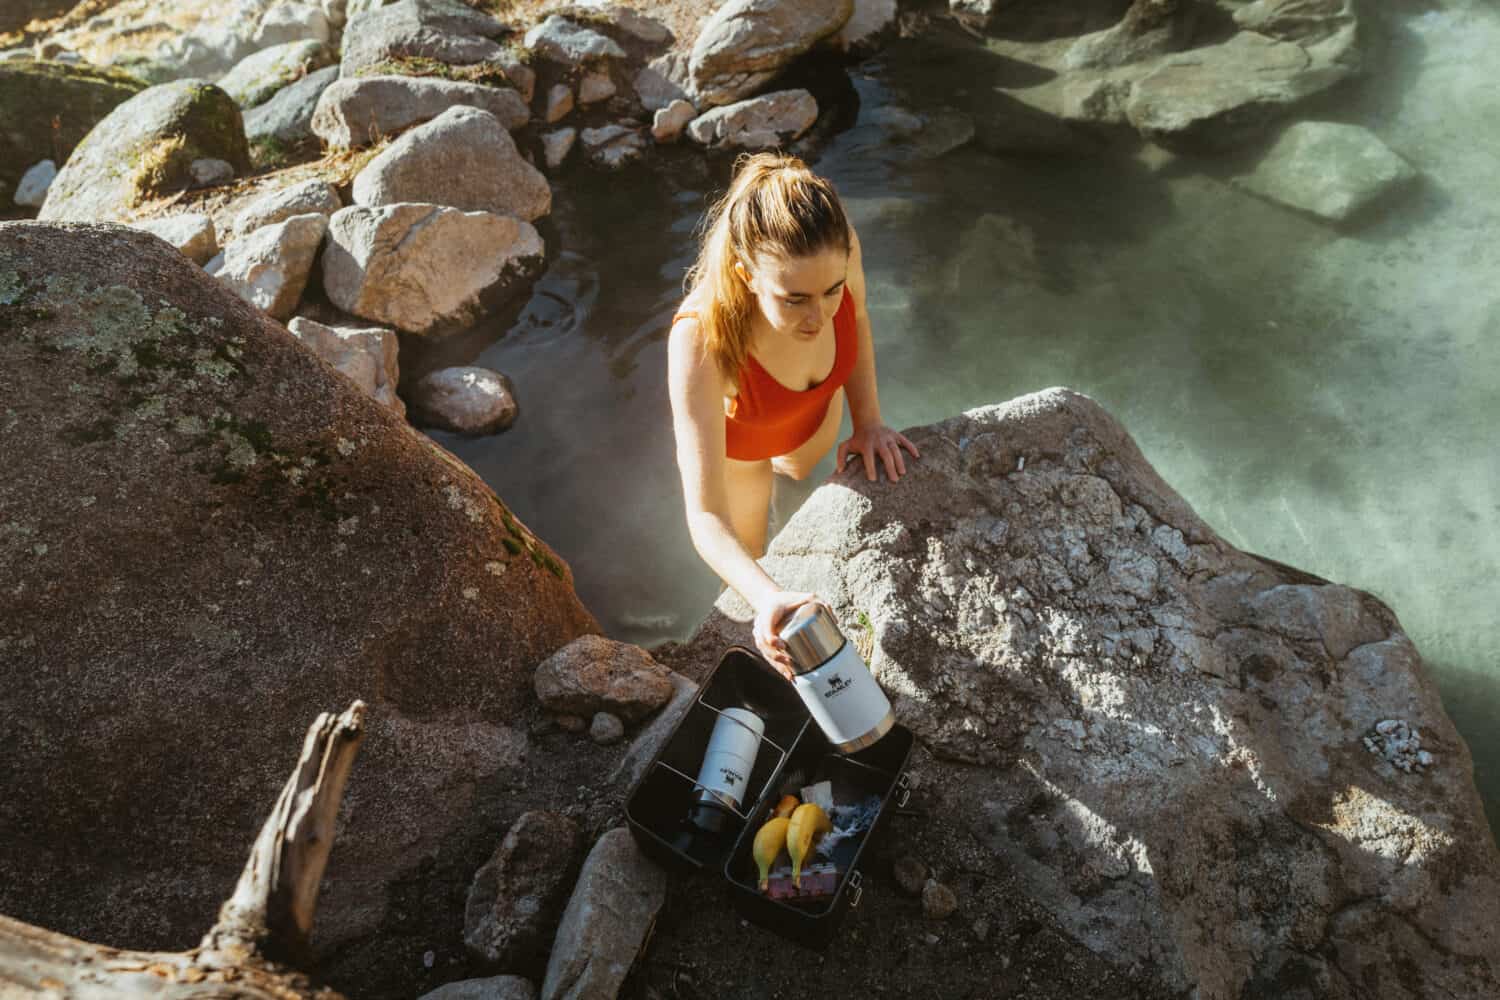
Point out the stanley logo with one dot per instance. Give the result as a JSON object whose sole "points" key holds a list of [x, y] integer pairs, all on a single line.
{"points": [[836, 685]]}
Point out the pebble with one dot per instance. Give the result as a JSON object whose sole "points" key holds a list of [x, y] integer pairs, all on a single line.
{"points": [[931, 938], [429, 958], [606, 729], [938, 901], [208, 172], [982, 929], [1400, 743], [911, 875]]}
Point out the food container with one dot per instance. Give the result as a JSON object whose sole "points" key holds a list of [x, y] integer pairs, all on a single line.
{"points": [[658, 809]]}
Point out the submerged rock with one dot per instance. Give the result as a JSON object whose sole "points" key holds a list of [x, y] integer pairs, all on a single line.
{"points": [[1165, 734], [214, 536], [745, 43], [1327, 169], [145, 148]]}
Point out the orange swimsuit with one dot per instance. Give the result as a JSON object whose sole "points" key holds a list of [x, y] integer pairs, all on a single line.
{"points": [[766, 418]]}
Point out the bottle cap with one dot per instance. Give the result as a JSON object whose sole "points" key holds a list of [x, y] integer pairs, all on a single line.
{"points": [[812, 637]]}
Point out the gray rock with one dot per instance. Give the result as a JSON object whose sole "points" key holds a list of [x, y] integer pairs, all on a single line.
{"points": [[367, 356], [1306, 22], [608, 917], [1327, 169], [210, 171], [662, 81], [191, 234], [671, 120], [556, 146], [559, 103], [287, 117], [606, 729], [938, 901], [1149, 28], [653, 736], [1204, 718], [872, 23], [613, 146], [269, 267], [516, 899], [562, 41], [928, 135], [636, 26], [31, 191], [595, 674], [445, 30], [286, 23], [257, 78], [757, 123], [311, 195], [463, 158], [424, 268], [745, 43], [145, 148], [595, 87], [467, 399], [494, 988], [366, 109]]}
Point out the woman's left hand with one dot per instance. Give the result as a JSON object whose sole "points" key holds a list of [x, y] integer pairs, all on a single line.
{"points": [[877, 440]]}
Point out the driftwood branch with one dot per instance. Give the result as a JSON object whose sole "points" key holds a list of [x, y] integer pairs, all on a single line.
{"points": [[266, 921]]}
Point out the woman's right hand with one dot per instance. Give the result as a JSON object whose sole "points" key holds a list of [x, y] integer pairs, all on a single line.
{"points": [[768, 619]]}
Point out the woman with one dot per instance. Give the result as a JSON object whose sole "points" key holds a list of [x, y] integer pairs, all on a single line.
{"points": [[772, 338]]}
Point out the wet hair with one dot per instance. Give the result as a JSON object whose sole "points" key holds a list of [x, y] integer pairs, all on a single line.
{"points": [[775, 207]]}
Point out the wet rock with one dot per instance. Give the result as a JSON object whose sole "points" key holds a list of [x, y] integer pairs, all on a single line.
{"points": [[569, 44], [425, 269], [757, 123], [671, 120], [257, 78], [35, 94], [427, 29], [1327, 169], [494, 988], [606, 729], [367, 356], [145, 148], [467, 399], [185, 400], [928, 135], [210, 171], [364, 110], [745, 43], [517, 897], [464, 158], [190, 234], [662, 81], [31, 191], [557, 145], [1149, 28], [606, 922], [301, 198], [938, 901], [287, 117], [269, 267], [613, 146], [559, 103], [595, 674], [911, 875], [1217, 708], [595, 87]]}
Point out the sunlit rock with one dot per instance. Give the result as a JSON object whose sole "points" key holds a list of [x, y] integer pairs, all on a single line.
{"points": [[745, 43], [1327, 169]]}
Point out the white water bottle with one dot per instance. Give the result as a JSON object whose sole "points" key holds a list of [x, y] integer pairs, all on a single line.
{"points": [[839, 691]]}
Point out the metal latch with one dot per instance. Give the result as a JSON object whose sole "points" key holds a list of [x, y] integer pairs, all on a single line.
{"points": [[903, 785], [856, 888]]}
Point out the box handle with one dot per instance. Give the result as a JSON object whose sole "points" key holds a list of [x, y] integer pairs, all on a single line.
{"points": [[904, 787], [856, 888]]}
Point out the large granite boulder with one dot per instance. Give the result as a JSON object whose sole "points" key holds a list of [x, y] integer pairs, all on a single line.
{"points": [[366, 109], [214, 536], [33, 94], [1167, 739], [745, 43], [464, 158], [145, 148], [445, 30], [426, 269]]}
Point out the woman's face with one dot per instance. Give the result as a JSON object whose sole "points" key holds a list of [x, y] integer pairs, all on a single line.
{"points": [[798, 295]]}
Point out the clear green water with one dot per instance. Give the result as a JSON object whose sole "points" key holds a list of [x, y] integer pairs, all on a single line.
{"points": [[1325, 399]]}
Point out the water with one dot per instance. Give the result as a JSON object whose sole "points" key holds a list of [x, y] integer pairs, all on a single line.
{"points": [[1324, 399]]}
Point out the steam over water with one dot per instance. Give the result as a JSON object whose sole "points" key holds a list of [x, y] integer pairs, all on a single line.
{"points": [[1326, 399]]}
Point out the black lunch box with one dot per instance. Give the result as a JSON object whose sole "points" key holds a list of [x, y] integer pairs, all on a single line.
{"points": [[658, 806]]}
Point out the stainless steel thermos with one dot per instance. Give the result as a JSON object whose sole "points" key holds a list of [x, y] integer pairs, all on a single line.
{"points": [[727, 765], [839, 691]]}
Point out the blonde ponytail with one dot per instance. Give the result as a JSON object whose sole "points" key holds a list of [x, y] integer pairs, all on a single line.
{"points": [[777, 207]]}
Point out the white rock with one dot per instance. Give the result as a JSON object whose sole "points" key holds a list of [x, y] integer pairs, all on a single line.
{"points": [[312, 195], [1328, 169], [564, 42], [467, 399], [191, 233], [557, 145], [746, 43], [256, 78], [671, 120], [208, 172], [662, 81], [269, 267], [595, 87], [292, 22], [31, 191], [368, 356], [871, 21], [362, 110], [756, 123], [613, 146]]}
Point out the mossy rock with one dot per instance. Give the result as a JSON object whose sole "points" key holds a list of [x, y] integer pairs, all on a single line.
{"points": [[144, 148], [34, 94]]}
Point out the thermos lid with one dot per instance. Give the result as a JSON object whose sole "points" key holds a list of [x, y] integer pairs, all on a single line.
{"points": [[812, 637]]}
